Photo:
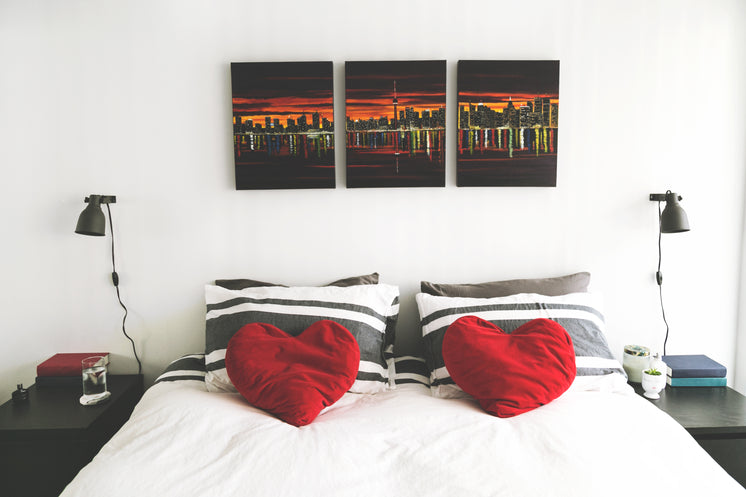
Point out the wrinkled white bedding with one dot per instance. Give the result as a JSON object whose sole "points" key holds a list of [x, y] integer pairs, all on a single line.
{"points": [[183, 441]]}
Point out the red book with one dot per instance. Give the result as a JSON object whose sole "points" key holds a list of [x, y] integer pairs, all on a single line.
{"points": [[68, 364]]}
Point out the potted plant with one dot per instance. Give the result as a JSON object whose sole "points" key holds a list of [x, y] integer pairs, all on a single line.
{"points": [[653, 381]]}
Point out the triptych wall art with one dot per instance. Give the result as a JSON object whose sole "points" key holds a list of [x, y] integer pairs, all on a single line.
{"points": [[395, 124]]}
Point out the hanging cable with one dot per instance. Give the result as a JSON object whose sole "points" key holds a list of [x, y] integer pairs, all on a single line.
{"points": [[659, 278], [115, 280]]}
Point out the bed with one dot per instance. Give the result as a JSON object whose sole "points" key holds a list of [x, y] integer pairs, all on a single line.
{"points": [[403, 426]]}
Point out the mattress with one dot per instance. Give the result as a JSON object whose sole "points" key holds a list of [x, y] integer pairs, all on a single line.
{"points": [[598, 438]]}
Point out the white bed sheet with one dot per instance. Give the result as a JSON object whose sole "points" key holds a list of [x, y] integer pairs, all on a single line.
{"points": [[183, 441]]}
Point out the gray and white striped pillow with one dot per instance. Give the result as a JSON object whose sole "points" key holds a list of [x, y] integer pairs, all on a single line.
{"points": [[369, 312], [577, 312], [185, 368], [411, 369]]}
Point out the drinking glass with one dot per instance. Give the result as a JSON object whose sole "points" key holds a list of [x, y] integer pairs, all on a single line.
{"points": [[94, 380]]}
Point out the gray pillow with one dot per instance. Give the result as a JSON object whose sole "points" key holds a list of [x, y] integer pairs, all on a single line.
{"points": [[239, 284], [561, 285]]}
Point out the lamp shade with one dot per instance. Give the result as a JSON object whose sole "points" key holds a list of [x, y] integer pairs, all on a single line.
{"points": [[92, 220], [673, 217]]}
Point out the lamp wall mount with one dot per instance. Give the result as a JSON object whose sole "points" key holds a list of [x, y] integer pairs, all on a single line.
{"points": [[662, 197], [102, 199]]}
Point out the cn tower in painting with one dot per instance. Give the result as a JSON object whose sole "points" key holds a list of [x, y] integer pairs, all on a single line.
{"points": [[396, 102], [396, 134]]}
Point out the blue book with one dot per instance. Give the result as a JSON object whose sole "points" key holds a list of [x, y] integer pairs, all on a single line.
{"points": [[693, 366], [696, 382]]}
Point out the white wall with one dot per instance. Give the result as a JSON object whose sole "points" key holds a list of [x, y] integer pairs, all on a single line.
{"points": [[133, 99]]}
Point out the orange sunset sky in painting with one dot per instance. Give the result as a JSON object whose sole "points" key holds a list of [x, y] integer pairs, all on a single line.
{"points": [[370, 87], [282, 90], [282, 108], [383, 107], [289, 90], [499, 101], [495, 83]]}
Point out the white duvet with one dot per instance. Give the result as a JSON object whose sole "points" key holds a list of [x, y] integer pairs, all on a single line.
{"points": [[183, 441]]}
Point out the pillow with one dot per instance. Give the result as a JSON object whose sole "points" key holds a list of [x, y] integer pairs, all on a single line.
{"points": [[577, 312], [293, 378], [238, 284], [411, 369], [185, 368], [509, 374], [369, 312], [561, 285]]}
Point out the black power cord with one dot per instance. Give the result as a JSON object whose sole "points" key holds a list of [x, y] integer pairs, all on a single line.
{"points": [[659, 277], [115, 280]]}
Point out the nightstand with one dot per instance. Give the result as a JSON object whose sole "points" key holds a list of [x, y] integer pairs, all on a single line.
{"points": [[46, 440], [715, 417]]}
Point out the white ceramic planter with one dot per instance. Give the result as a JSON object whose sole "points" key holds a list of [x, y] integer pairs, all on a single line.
{"points": [[653, 384]]}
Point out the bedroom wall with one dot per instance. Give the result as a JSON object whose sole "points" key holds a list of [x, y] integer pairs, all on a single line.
{"points": [[133, 99]]}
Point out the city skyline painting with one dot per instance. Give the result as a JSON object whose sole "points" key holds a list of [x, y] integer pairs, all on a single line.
{"points": [[508, 115], [395, 123], [283, 125]]}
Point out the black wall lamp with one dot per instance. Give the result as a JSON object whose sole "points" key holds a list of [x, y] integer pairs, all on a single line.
{"points": [[672, 219], [92, 222]]}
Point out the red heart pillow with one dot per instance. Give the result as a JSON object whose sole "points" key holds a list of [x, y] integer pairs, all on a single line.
{"points": [[509, 373], [293, 378]]}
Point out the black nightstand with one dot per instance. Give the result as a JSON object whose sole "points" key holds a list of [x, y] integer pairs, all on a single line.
{"points": [[715, 417], [46, 440]]}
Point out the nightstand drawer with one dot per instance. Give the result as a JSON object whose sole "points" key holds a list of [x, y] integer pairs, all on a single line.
{"points": [[730, 453], [42, 467]]}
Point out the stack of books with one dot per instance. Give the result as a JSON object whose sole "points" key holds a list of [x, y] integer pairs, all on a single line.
{"points": [[694, 371], [64, 369]]}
